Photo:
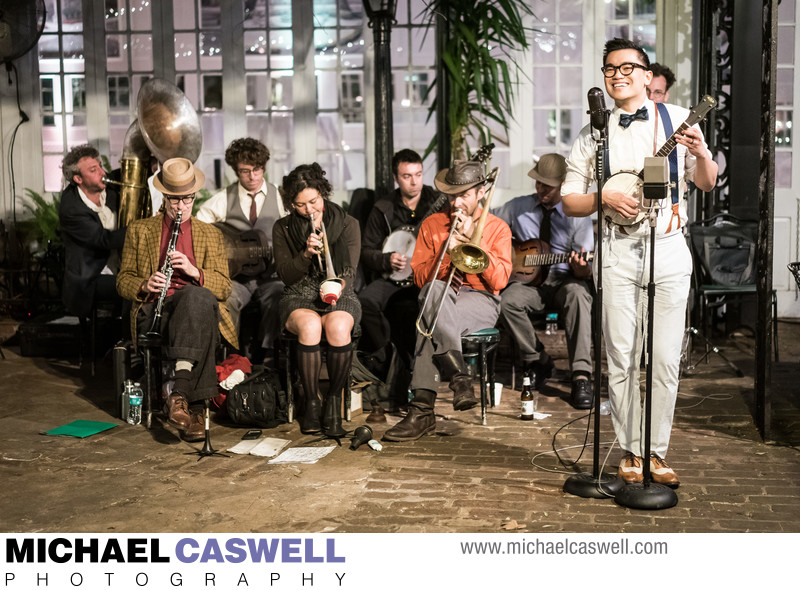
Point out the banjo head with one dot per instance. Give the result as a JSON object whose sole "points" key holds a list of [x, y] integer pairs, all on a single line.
{"points": [[402, 241], [630, 184]]}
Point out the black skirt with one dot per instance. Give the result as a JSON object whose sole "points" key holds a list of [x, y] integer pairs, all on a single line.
{"points": [[304, 294]]}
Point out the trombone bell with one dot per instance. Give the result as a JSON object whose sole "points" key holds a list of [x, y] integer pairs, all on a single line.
{"points": [[469, 258]]}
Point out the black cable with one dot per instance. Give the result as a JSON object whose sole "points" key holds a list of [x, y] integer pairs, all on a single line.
{"points": [[23, 119], [585, 440]]}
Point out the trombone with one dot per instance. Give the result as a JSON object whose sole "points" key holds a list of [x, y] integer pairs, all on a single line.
{"points": [[469, 258]]}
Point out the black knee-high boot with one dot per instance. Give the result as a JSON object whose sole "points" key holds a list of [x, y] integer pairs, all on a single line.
{"points": [[340, 358], [309, 362]]}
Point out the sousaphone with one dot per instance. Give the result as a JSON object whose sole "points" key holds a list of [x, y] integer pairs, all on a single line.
{"points": [[167, 127]]}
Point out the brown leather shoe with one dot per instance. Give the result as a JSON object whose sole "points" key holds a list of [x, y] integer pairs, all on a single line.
{"points": [[662, 473], [196, 431], [177, 408], [630, 468], [419, 421], [463, 393]]}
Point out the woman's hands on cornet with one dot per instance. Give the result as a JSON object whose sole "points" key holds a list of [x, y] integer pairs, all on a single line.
{"points": [[313, 245]]}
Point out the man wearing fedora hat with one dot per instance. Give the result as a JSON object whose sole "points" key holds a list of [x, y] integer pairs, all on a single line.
{"points": [[473, 302], [193, 313], [566, 288]]}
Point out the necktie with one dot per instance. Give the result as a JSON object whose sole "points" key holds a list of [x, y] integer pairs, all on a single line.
{"points": [[253, 212], [625, 120], [544, 226]]}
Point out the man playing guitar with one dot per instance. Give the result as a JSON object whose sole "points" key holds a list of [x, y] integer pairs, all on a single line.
{"points": [[403, 210], [250, 207], [539, 221]]}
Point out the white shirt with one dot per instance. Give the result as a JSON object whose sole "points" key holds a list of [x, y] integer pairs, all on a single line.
{"points": [[627, 150], [215, 209], [108, 219]]}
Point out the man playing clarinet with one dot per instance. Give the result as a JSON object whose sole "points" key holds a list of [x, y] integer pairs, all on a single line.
{"points": [[193, 313]]}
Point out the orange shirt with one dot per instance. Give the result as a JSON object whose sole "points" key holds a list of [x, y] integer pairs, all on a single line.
{"points": [[496, 242]]}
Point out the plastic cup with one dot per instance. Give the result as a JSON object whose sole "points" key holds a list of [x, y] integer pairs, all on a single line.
{"points": [[498, 391]]}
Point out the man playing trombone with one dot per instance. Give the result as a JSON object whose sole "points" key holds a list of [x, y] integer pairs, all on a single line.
{"points": [[463, 297]]}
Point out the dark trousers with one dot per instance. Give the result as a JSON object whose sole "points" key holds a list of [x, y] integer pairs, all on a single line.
{"points": [[189, 329], [377, 329]]}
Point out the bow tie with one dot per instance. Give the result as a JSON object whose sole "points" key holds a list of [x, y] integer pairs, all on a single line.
{"points": [[625, 120]]}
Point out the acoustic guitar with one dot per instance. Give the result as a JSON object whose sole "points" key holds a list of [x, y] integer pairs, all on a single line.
{"points": [[531, 261], [248, 252]]}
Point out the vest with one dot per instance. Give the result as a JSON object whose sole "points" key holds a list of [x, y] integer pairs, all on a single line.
{"points": [[269, 214]]}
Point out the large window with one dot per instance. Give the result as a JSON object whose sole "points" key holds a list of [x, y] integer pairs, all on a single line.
{"points": [[129, 62], [62, 86]]}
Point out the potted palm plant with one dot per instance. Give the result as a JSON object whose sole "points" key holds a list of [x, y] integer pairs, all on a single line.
{"points": [[476, 81]]}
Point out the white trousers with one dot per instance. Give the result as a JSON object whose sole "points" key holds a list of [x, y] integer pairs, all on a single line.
{"points": [[626, 272]]}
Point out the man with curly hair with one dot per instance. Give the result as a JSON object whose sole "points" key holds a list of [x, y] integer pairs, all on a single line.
{"points": [[88, 219], [247, 210]]}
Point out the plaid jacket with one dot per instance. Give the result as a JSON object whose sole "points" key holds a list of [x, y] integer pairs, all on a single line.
{"points": [[140, 260]]}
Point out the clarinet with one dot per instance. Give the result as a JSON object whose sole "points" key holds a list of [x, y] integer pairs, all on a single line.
{"points": [[166, 270]]}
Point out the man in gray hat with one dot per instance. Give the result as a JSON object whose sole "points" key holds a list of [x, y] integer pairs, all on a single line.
{"points": [[472, 302], [538, 225]]}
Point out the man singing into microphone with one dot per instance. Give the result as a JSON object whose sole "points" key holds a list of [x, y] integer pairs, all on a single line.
{"points": [[471, 303], [636, 129]]}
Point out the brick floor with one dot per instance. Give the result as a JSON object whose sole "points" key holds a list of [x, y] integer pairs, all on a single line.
{"points": [[466, 478]]}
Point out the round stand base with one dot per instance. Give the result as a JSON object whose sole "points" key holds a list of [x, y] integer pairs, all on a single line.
{"points": [[586, 485], [649, 496]]}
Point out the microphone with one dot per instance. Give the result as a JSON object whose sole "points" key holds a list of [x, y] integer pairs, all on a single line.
{"points": [[597, 109], [656, 179]]}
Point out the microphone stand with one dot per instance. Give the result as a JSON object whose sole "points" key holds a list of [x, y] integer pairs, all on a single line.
{"points": [[648, 495], [597, 485]]}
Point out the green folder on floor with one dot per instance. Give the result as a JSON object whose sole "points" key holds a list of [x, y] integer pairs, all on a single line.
{"points": [[80, 428]]}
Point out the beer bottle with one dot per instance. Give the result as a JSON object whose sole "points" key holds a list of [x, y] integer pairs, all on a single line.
{"points": [[527, 400]]}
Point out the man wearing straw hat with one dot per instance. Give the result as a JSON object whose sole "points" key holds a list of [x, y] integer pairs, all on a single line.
{"points": [[470, 303], [193, 313], [539, 216]]}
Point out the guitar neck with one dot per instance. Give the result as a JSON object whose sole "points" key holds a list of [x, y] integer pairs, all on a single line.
{"points": [[670, 144], [544, 259]]}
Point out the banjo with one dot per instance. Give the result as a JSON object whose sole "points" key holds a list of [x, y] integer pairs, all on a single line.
{"points": [[631, 183], [403, 240]]}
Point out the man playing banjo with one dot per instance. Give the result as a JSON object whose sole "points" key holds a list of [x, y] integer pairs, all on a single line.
{"points": [[636, 129], [386, 249]]}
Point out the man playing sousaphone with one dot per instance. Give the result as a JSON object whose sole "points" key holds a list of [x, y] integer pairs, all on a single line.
{"points": [[471, 301], [392, 225], [250, 207]]}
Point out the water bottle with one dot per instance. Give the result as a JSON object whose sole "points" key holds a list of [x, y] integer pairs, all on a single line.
{"points": [[125, 400], [135, 404], [605, 408], [551, 325], [527, 401]]}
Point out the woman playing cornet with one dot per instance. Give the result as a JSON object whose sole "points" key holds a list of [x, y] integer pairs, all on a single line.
{"points": [[303, 265]]}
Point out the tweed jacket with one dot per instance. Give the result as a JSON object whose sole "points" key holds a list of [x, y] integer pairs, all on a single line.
{"points": [[140, 260]]}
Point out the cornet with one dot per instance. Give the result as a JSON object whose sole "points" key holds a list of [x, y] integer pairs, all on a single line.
{"points": [[331, 288], [469, 258]]}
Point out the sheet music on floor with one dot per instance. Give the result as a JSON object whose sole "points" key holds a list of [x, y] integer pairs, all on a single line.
{"points": [[264, 447], [302, 455]]}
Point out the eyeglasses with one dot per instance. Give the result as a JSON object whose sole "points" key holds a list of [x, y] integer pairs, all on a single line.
{"points": [[187, 200], [625, 69], [249, 171], [656, 92]]}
